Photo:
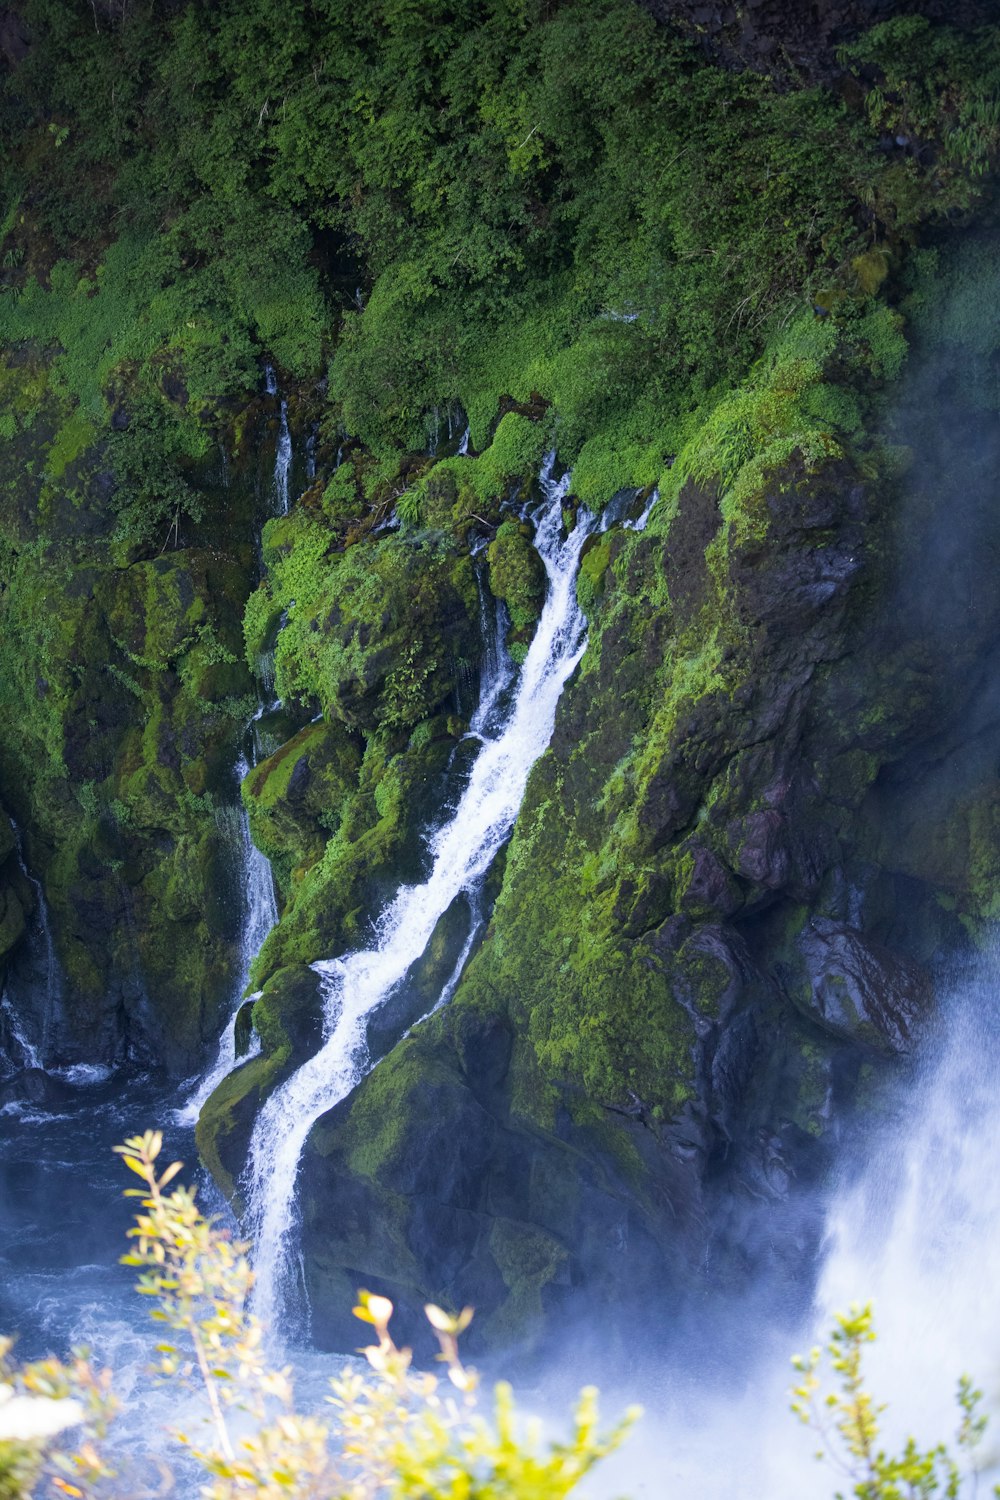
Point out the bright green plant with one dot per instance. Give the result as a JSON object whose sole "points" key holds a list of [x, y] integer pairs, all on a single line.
{"points": [[847, 1422], [409, 507]]}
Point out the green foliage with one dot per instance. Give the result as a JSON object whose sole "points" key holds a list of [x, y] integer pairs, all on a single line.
{"points": [[409, 507], [935, 89], [152, 496], [847, 1421], [757, 428], [460, 204]]}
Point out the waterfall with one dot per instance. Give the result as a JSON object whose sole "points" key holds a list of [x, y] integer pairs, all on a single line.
{"points": [[283, 452], [462, 850], [33, 1052], [918, 1233], [25, 1055], [260, 913], [912, 1226], [640, 522]]}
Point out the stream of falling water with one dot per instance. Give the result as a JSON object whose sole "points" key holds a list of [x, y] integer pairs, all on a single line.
{"points": [[283, 452], [461, 852], [260, 909], [260, 913]]}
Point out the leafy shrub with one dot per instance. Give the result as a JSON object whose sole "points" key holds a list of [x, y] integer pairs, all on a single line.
{"points": [[847, 1421]]}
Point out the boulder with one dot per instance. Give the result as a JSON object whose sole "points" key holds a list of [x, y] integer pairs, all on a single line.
{"points": [[861, 991]]}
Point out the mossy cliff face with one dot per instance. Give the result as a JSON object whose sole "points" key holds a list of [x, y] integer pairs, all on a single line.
{"points": [[17, 902], [123, 699], [709, 934], [770, 801], [380, 631]]}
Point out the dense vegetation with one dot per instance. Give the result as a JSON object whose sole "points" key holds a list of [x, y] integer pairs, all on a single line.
{"points": [[450, 203], [528, 224]]}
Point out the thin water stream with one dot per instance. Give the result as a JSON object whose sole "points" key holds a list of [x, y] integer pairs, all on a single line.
{"points": [[461, 852]]}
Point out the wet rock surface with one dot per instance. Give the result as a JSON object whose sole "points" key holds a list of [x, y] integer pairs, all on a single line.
{"points": [[861, 991]]}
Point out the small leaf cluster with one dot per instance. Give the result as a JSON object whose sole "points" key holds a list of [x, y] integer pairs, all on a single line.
{"points": [[39, 1405], [847, 1420]]}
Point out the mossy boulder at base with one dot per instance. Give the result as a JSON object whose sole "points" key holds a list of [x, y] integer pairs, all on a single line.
{"points": [[288, 1019]]}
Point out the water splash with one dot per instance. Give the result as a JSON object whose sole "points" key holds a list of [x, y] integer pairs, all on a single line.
{"points": [[640, 523], [23, 1054], [918, 1233], [462, 851], [913, 1226]]}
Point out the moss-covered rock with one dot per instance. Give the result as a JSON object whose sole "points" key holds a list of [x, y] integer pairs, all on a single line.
{"points": [[295, 798], [372, 837], [518, 578], [120, 711], [376, 635], [288, 1019]]}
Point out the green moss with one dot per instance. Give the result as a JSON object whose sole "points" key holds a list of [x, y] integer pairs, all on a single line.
{"points": [[528, 1260], [593, 566], [398, 617], [294, 799], [517, 577], [351, 843]]}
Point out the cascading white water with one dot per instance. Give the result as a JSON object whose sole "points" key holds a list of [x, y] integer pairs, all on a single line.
{"points": [[25, 1054], [283, 452], [918, 1234], [914, 1229], [498, 671], [260, 913], [461, 851], [640, 522]]}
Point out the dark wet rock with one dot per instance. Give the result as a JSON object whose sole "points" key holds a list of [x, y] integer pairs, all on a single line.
{"points": [[35, 1087], [861, 991], [243, 1029]]}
